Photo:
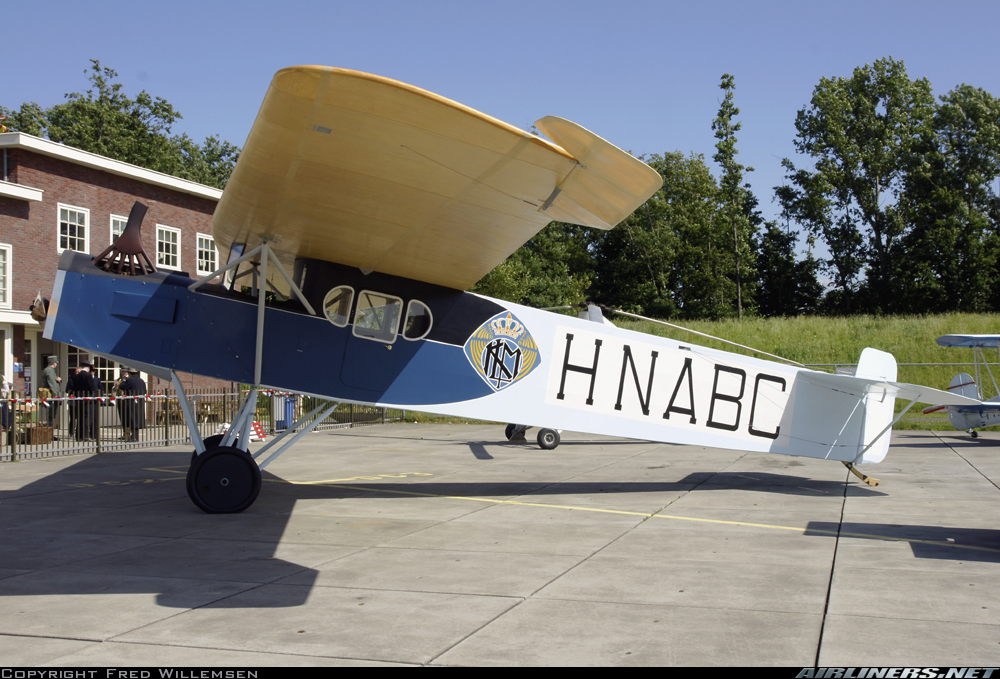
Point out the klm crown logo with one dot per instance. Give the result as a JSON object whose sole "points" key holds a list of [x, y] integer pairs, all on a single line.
{"points": [[502, 351], [508, 327]]}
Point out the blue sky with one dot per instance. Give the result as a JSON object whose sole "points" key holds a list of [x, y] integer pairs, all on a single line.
{"points": [[644, 75]]}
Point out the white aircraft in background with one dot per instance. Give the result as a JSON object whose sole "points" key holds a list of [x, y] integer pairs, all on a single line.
{"points": [[987, 412]]}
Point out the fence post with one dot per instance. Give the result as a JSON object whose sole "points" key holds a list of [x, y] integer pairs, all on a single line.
{"points": [[13, 433], [166, 418], [97, 410]]}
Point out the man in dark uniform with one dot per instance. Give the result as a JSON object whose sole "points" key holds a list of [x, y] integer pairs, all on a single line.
{"points": [[135, 408], [85, 385]]}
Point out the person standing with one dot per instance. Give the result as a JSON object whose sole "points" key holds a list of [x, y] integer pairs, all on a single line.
{"points": [[85, 386], [52, 382], [120, 403], [68, 392], [73, 406], [135, 407], [6, 421]]}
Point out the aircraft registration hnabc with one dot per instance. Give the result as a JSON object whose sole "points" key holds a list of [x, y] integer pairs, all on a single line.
{"points": [[359, 213]]}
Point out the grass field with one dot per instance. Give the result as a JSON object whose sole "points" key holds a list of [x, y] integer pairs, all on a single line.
{"points": [[822, 343]]}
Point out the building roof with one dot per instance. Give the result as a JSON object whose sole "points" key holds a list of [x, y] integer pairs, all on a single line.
{"points": [[20, 140]]}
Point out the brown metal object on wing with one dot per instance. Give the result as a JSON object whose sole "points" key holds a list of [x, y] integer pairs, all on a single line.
{"points": [[127, 248]]}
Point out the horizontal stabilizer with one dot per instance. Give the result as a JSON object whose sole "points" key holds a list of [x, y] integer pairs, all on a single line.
{"points": [[860, 385]]}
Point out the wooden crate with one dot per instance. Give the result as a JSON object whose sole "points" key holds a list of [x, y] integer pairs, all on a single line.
{"points": [[36, 434]]}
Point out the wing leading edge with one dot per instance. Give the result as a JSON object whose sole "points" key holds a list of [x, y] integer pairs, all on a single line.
{"points": [[365, 171]]}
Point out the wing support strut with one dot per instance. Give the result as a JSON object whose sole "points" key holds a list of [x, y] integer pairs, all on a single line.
{"points": [[320, 413], [189, 419], [264, 250], [238, 432]]}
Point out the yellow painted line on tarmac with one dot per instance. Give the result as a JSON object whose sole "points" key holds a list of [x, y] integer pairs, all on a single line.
{"points": [[329, 482], [655, 515]]}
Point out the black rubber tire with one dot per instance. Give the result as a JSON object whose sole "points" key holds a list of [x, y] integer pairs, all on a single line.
{"points": [[975, 434], [548, 439], [223, 480], [509, 431]]}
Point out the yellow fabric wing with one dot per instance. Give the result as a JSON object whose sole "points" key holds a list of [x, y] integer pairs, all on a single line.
{"points": [[365, 171]]}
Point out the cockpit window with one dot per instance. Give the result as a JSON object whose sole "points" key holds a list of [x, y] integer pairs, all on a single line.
{"points": [[418, 320], [377, 316], [337, 305]]}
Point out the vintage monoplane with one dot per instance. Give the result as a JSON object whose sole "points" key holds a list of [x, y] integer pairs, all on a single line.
{"points": [[386, 203], [985, 413]]}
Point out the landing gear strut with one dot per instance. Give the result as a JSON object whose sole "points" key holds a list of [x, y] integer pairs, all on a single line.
{"points": [[224, 478]]}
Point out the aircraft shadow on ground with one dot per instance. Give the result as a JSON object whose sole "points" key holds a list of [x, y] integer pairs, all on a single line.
{"points": [[927, 542], [949, 438], [140, 490], [956, 444], [761, 482]]}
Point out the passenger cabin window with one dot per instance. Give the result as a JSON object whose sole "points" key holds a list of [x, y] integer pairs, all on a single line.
{"points": [[377, 316], [418, 320], [337, 305]]}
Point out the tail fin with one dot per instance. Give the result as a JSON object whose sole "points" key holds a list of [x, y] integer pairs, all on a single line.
{"points": [[880, 404], [964, 385]]}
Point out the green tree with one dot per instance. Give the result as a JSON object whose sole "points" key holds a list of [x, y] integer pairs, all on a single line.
{"points": [[951, 250], [861, 133], [808, 289], [210, 163], [552, 269], [664, 259], [776, 267], [104, 120], [29, 118], [736, 201]]}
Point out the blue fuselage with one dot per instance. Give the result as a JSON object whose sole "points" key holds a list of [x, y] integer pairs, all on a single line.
{"points": [[156, 320]]}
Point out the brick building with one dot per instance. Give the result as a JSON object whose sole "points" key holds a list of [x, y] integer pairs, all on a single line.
{"points": [[54, 198]]}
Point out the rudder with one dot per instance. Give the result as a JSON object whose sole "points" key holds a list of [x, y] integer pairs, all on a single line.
{"points": [[880, 402]]}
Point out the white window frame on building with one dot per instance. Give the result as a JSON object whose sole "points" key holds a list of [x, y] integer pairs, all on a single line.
{"points": [[209, 248], [6, 279], [120, 222], [59, 228], [162, 229]]}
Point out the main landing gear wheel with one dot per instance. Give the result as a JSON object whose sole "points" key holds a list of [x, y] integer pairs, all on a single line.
{"points": [[548, 439], [223, 480], [975, 434], [212, 441]]}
